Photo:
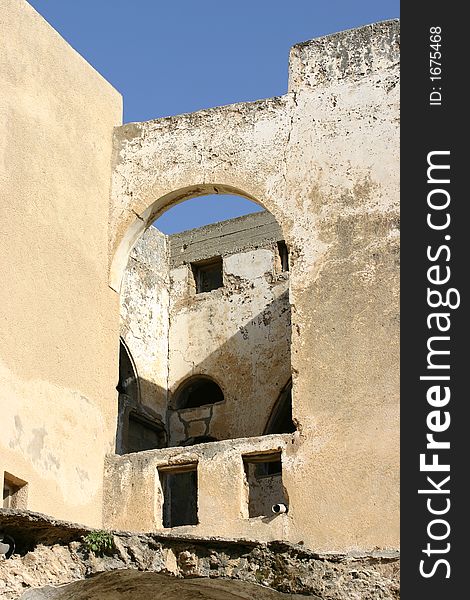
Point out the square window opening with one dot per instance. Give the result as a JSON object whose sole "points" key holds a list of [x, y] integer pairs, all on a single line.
{"points": [[208, 274], [15, 492], [263, 479], [180, 495]]}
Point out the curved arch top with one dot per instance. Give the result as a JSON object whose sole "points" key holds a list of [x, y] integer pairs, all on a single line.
{"points": [[163, 162], [128, 376], [141, 222]]}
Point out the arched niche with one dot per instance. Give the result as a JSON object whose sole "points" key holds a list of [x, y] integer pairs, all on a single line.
{"points": [[137, 428], [128, 381], [280, 419]]}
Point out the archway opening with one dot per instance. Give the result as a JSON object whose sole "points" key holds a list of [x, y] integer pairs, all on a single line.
{"points": [[205, 309]]}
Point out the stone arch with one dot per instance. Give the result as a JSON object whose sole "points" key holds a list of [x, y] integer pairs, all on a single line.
{"points": [[154, 210], [144, 213]]}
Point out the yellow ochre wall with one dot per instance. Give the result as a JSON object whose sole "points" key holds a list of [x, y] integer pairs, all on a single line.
{"points": [[58, 316]]}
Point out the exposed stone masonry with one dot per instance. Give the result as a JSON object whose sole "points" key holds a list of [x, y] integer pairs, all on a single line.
{"points": [[52, 553]]}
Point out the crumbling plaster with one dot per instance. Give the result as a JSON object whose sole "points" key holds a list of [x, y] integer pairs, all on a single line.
{"points": [[144, 318], [323, 159], [134, 498]]}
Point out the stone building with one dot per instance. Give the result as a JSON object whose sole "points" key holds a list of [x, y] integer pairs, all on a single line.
{"points": [[186, 384]]}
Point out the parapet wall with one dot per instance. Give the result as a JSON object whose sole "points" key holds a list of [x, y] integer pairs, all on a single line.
{"points": [[348, 55]]}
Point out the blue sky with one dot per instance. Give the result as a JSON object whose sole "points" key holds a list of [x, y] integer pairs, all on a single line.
{"points": [[168, 57]]}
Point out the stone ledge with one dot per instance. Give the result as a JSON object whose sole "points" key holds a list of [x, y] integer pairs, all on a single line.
{"points": [[52, 552]]}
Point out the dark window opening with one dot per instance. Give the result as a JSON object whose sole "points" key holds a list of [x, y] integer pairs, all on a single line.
{"points": [[283, 255], [144, 434], [15, 492], [208, 274], [263, 476], [280, 420], [180, 495], [128, 383], [198, 392]]}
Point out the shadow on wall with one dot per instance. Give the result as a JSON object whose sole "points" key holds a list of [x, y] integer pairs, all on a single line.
{"points": [[252, 370]]}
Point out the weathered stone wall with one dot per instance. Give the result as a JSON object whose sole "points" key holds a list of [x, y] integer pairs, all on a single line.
{"points": [[59, 338], [238, 334], [323, 159], [134, 497], [51, 554]]}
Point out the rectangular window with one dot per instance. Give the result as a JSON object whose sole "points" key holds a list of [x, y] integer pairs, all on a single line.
{"points": [[15, 492], [179, 485], [263, 479], [283, 255], [208, 274]]}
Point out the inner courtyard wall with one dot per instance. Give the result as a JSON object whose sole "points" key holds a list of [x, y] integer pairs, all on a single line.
{"points": [[238, 334]]}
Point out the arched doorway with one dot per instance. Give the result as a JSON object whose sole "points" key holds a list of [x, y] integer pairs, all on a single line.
{"points": [[198, 391]]}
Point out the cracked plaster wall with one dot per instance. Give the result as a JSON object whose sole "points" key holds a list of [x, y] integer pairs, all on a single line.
{"points": [[59, 326], [323, 159], [145, 319]]}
